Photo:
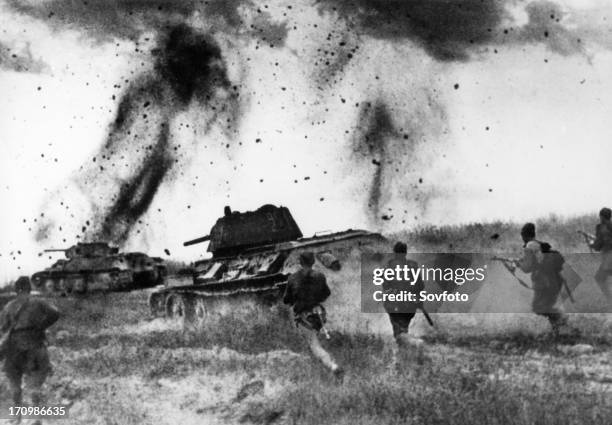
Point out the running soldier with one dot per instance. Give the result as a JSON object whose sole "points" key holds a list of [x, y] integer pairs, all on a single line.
{"points": [[603, 244], [402, 313], [26, 319], [306, 290], [545, 267]]}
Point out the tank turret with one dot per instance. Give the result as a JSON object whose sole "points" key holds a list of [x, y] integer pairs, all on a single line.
{"points": [[87, 249], [237, 232]]}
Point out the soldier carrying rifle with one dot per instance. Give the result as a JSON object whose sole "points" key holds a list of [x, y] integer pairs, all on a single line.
{"points": [[602, 242], [306, 290], [545, 266]]}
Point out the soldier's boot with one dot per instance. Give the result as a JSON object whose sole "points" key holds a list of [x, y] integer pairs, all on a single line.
{"points": [[320, 353], [17, 397], [419, 349], [558, 321], [411, 348], [37, 396], [395, 357], [37, 400]]}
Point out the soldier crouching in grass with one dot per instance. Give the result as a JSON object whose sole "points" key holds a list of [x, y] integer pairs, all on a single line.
{"points": [[25, 354], [306, 290], [401, 313]]}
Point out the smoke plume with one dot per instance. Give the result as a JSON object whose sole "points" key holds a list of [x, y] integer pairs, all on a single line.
{"points": [[139, 154]]}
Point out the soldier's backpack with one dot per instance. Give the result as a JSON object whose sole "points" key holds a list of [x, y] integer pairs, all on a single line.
{"points": [[606, 234], [552, 261], [6, 336]]}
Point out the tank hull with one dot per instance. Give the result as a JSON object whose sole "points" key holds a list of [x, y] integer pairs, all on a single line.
{"points": [[79, 283]]}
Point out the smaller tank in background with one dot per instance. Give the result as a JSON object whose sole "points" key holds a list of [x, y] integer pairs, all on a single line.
{"points": [[97, 266]]}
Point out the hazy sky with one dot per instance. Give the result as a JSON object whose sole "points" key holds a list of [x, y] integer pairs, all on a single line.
{"points": [[352, 114]]}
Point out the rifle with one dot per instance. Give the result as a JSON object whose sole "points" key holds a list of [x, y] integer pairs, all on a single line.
{"points": [[509, 264], [427, 316], [588, 238]]}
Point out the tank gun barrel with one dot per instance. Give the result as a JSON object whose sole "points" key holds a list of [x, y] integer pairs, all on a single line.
{"points": [[197, 240], [56, 250]]}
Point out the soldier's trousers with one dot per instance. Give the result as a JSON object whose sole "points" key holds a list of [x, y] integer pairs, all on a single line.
{"points": [[33, 364], [544, 300], [317, 349], [400, 323], [405, 346], [604, 273]]}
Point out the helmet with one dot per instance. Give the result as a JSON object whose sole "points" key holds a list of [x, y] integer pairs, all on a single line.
{"points": [[307, 259], [528, 231], [400, 248], [22, 284]]}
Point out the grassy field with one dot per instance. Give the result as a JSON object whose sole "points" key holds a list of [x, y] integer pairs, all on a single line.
{"points": [[114, 364], [498, 236]]}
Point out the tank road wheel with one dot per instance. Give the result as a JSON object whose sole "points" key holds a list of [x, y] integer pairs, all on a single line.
{"points": [[199, 313], [45, 284], [156, 304], [64, 285], [80, 284], [49, 286], [176, 308]]}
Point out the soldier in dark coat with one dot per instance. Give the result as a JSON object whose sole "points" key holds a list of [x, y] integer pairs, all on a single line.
{"points": [[603, 244], [306, 290], [27, 318], [401, 313], [545, 276]]}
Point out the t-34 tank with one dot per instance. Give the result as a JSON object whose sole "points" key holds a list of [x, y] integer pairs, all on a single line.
{"points": [[97, 266], [253, 254]]}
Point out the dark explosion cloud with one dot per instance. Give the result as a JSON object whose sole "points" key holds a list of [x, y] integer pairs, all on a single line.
{"points": [[188, 69], [104, 20], [191, 63], [446, 29], [373, 142]]}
